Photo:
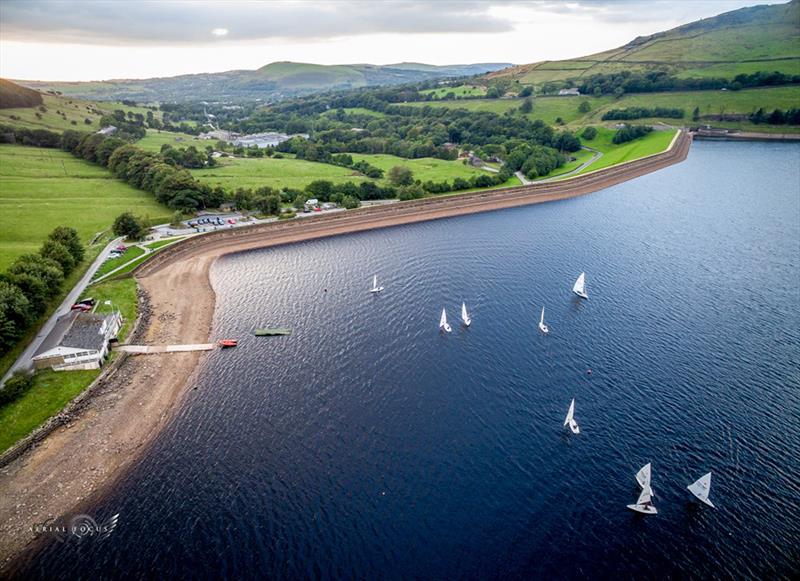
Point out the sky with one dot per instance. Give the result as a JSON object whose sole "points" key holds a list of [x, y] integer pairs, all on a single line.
{"points": [[84, 40]]}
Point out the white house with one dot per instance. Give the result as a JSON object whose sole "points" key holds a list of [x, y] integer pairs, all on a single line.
{"points": [[573, 91], [78, 341]]}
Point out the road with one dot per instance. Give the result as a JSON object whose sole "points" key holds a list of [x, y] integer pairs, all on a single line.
{"points": [[24, 360]]}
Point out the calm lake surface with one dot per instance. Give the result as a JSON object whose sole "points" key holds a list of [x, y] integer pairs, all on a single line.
{"points": [[368, 446]]}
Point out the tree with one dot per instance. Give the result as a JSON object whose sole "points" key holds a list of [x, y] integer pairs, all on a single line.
{"points": [[696, 114], [526, 91], [401, 176], [60, 253], [589, 133], [350, 202], [129, 226], [299, 201], [618, 92], [15, 314], [584, 107], [494, 92], [270, 204], [69, 238], [319, 189], [527, 106]]}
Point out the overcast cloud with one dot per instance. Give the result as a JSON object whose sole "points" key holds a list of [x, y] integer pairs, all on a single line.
{"points": [[159, 38]]}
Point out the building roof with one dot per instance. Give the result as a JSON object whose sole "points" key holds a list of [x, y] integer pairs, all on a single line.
{"points": [[86, 331]]}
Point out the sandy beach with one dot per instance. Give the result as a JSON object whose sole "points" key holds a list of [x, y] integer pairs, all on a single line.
{"points": [[80, 460]]}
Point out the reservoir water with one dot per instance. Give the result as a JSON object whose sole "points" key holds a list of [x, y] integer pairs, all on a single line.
{"points": [[367, 445]]}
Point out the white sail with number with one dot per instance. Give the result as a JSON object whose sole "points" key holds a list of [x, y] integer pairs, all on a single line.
{"points": [[580, 286]]}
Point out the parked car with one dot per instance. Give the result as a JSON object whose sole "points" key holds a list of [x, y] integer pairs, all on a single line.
{"points": [[81, 307], [121, 248], [87, 301]]}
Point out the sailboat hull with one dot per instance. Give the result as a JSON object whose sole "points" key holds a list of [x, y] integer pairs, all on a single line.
{"points": [[543, 328], [643, 509], [376, 290], [446, 328], [582, 295]]}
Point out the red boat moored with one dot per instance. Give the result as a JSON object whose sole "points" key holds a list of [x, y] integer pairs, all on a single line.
{"points": [[225, 343]]}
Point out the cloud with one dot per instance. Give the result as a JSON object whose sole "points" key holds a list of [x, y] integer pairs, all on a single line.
{"points": [[201, 22]]}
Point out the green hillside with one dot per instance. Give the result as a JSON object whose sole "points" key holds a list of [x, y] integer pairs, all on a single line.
{"points": [[759, 38], [58, 113], [44, 188], [311, 76], [709, 104], [271, 82]]}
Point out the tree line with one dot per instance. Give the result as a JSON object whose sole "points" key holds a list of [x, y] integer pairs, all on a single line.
{"points": [[32, 280], [643, 113], [776, 117], [630, 132], [657, 81]]}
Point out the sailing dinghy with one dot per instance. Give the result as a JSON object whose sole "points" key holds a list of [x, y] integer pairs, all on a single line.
{"points": [[701, 488], [375, 288], [465, 315], [570, 421], [443, 326], [579, 288], [542, 327], [644, 504]]}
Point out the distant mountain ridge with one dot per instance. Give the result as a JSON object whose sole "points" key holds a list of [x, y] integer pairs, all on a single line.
{"points": [[756, 38], [268, 83]]}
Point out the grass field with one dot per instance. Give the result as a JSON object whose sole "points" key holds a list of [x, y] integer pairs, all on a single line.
{"points": [[548, 109], [275, 173], [357, 111], [654, 142], [52, 390], [44, 188], [461, 91], [426, 168], [155, 139], [73, 110], [709, 103], [112, 263]]}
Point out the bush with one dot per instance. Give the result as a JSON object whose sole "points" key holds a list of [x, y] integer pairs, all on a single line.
{"points": [[401, 176], [631, 132], [16, 385], [129, 226]]}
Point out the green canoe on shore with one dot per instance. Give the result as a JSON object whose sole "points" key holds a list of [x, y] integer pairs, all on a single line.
{"points": [[272, 331]]}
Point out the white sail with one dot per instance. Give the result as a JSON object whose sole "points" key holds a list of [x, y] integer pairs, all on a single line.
{"points": [[580, 286], [570, 420], [443, 322], [701, 488], [645, 496], [542, 327], [465, 315], [643, 476], [375, 288]]}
